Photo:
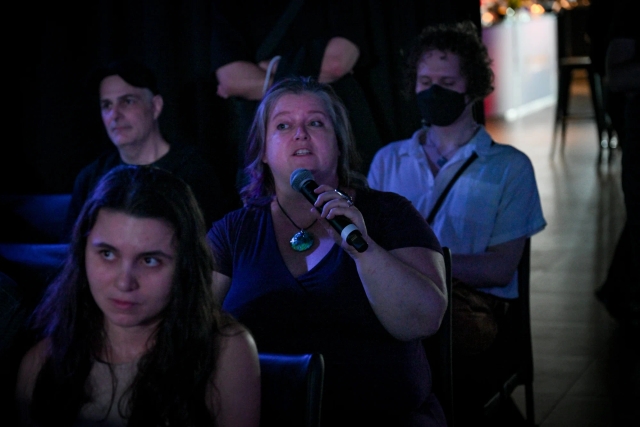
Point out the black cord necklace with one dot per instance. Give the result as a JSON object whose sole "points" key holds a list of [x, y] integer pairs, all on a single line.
{"points": [[444, 157], [302, 240]]}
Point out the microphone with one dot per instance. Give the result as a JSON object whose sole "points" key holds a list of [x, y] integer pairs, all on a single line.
{"points": [[302, 181]]}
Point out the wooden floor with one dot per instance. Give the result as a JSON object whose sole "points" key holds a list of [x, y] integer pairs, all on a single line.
{"points": [[585, 365]]}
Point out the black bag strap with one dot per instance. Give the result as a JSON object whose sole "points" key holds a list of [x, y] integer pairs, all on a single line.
{"points": [[274, 37], [453, 180]]}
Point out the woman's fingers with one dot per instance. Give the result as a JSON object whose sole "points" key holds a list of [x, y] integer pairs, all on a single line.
{"points": [[334, 202]]}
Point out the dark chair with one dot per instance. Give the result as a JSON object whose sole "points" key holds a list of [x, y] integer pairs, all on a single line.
{"points": [[13, 324], [13, 316], [33, 218], [439, 352], [573, 55], [514, 344], [32, 266], [291, 389]]}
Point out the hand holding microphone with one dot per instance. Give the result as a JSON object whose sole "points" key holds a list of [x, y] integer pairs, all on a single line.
{"points": [[303, 182]]}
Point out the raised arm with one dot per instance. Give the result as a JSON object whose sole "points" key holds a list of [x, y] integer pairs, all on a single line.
{"points": [[405, 286]]}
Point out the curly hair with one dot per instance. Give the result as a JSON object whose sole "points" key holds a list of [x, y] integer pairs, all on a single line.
{"points": [[461, 38], [173, 376], [260, 178]]}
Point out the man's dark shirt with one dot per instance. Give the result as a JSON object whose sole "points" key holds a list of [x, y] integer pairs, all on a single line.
{"points": [[184, 160]]}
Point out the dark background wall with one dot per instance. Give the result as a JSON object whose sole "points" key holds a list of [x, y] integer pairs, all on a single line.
{"points": [[58, 128]]}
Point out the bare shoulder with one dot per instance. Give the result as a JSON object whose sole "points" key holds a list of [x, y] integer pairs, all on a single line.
{"points": [[236, 381], [30, 367], [236, 339]]}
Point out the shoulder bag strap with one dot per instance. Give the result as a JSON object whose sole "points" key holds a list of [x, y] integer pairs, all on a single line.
{"points": [[278, 30], [443, 195]]}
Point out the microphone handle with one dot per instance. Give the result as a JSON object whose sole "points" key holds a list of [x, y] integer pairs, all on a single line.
{"points": [[348, 231]]}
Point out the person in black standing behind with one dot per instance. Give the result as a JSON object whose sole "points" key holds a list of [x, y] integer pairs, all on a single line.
{"points": [[255, 44], [130, 105], [620, 292]]}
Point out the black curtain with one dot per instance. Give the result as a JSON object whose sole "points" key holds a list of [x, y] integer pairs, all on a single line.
{"points": [[58, 128]]}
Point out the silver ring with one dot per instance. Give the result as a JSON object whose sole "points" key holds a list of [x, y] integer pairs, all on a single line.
{"points": [[344, 196]]}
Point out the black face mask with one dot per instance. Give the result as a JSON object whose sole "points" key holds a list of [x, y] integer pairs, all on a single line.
{"points": [[440, 106]]}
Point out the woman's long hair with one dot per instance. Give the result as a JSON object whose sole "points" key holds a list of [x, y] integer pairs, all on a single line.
{"points": [[259, 174], [172, 378]]}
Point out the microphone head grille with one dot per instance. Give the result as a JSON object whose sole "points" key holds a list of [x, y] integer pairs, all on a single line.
{"points": [[299, 177]]}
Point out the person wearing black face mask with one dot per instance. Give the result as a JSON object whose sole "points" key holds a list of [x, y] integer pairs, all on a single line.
{"points": [[440, 106], [492, 206]]}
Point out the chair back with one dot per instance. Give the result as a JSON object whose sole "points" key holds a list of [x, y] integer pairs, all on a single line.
{"points": [[516, 340], [516, 345], [32, 266], [524, 346], [439, 351], [291, 389]]}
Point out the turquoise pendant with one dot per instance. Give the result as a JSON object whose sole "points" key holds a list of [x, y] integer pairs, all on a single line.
{"points": [[301, 241]]}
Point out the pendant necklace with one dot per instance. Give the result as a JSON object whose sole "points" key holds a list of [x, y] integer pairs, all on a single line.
{"points": [[443, 157], [442, 160], [302, 240]]}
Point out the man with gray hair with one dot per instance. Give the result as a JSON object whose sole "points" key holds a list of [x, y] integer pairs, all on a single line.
{"points": [[130, 106]]}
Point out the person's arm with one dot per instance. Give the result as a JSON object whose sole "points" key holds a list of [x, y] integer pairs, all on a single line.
{"points": [[517, 214], [28, 371], [232, 57], [623, 66], [234, 395], [405, 287], [494, 267], [340, 56], [221, 285], [242, 79], [220, 238]]}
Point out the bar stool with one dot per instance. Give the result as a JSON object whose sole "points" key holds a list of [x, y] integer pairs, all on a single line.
{"points": [[573, 55]]}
